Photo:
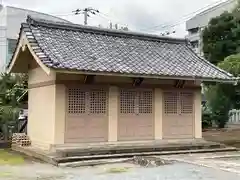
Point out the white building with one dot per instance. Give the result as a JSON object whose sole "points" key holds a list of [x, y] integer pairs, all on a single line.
{"points": [[10, 21], [196, 24]]}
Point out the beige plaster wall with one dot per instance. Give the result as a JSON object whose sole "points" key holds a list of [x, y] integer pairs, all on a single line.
{"points": [[113, 114], [37, 75], [158, 113], [41, 116], [47, 109], [41, 109], [198, 114], [60, 114], [71, 77]]}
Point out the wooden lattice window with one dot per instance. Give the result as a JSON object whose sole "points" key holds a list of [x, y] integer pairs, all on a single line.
{"points": [[178, 102], [127, 101], [98, 101], [145, 102], [186, 100], [171, 102], [136, 102], [76, 101]]}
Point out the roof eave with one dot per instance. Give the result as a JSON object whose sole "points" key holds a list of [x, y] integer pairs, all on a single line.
{"points": [[230, 81], [22, 44], [16, 53]]}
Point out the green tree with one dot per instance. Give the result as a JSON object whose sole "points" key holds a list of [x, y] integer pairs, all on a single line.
{"points": [[219, 104], [221, 37], [231, 64], [222, 97], [12, 86], [221, 45]]}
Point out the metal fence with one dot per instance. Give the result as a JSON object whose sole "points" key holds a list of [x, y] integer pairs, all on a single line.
{"points": [[234, 117]]}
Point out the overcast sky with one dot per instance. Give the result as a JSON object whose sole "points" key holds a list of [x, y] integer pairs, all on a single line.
{"points": [[152, 16]]}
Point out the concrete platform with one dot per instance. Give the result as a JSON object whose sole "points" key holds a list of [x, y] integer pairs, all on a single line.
{"points": [[85, 149], [35, 153], [100, 151]]}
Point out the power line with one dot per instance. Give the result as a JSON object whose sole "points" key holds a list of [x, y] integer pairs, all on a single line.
{"points": [[18, 14], [110, 18], [183, 18], [63, 15], [170, 24], [103, 17]]}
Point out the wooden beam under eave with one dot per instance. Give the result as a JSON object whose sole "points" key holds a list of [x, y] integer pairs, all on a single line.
{"points": [[89, 79], [179, 84], [137, 81]]}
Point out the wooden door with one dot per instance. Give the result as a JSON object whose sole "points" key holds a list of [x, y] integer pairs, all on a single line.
{"points": [[178, 114], [135, 115], [87, 119]]}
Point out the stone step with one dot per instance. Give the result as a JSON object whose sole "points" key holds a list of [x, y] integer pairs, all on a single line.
{"points": [[93, 162], [99, 158], [108, 150]]}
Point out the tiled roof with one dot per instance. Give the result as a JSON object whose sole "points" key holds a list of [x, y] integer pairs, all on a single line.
{"points": [[83, 48]]}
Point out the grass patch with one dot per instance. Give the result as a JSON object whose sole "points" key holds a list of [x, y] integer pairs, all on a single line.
{"points": [[10, 158], [117, 170], [5, 174]]}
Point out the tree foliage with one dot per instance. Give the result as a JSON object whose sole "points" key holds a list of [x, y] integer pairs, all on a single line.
{"points": [[219, 104], [231, 64], [221, 37], [221, 45], [12, 86], [223, 97]]}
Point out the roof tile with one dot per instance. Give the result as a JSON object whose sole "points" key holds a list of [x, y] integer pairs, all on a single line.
{"points": [[76, 47]]}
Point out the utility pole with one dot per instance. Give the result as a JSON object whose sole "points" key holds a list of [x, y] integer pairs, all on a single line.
{"points": [[111, 25], [86, 13], [85, 17]]}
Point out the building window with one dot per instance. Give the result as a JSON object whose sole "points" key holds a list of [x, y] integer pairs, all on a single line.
{"points": [[87, 101], [11, 45], [177, 103], [195, 44], [136, 101], [98, 101], [193, 31], [171, 102]]}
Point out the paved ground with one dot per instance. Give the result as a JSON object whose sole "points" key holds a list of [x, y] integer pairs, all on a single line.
{"points": [[188, 167], [229, 162]]}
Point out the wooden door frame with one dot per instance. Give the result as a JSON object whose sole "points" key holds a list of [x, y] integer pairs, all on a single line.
{"points": [[136, 112], [87, 88], [178, 109]]}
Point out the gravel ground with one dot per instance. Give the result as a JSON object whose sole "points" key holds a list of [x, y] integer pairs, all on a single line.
{"points": [[176, 171]]}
